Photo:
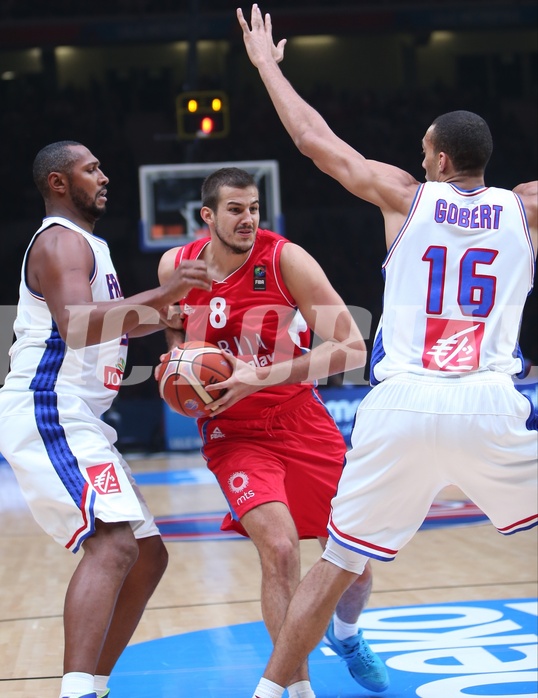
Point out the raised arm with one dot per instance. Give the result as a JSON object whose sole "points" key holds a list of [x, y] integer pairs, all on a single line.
{"points": [[385, 186], [60, 265]]}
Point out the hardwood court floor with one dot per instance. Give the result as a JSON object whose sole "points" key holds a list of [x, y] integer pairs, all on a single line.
{"points": [[217, 583]]}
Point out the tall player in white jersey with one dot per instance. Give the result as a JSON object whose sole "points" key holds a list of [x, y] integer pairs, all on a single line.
{"points": [[444, 408], [67, 363]]}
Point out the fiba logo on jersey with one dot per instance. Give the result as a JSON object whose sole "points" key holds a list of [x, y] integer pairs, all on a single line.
{"points": [[260, 275]]}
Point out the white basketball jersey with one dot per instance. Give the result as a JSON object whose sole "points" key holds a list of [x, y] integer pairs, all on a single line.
{"points": [[40, 359], [456, 281]]}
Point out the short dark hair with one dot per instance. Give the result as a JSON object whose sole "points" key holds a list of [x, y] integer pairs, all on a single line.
{"points": [[465, 137], [225, 177], [55, 157]]}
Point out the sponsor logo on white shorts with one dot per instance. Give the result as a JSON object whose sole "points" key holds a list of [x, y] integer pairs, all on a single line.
{"points": [[103, 478]]}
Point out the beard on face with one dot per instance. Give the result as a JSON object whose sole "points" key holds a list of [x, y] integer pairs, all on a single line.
{"points": [[234, 248], [85, 204]]}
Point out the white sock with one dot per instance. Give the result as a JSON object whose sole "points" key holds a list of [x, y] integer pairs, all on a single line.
{"points": [[100, 685], [344, 630], [268, 689], [76, 684], [301, 689]]}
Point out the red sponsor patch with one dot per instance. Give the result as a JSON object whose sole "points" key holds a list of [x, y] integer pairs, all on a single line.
{"points": [[103, 478], [113, 377], [452, 345]]}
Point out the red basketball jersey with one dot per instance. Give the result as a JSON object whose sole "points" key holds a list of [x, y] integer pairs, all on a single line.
{"points": [[250, 314]]}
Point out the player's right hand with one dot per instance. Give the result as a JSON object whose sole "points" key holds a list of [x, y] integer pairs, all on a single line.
{"points": [[259, 40]]}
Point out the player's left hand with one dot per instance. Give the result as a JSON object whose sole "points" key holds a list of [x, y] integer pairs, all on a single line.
{"points": [[243, 381]]}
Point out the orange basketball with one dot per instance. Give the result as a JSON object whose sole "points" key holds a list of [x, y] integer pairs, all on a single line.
{"points": [[185, 371]]}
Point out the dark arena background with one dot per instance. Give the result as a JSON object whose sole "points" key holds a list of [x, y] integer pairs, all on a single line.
{"points": [[455, 614], [108, 73]]}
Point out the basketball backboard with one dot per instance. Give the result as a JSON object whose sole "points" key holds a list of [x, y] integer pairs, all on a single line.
{"points": [[170, 200]]}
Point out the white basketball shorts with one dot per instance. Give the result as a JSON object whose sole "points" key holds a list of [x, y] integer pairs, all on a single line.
{"points": [[67, 467], [413, 436]]}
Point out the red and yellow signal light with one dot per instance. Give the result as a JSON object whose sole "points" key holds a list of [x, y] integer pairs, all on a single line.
{"points": [[202, 114]]}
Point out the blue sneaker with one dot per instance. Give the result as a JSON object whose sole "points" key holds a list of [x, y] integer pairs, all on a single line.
{"points": [[363, 664], [105, 695], [93, 694]]}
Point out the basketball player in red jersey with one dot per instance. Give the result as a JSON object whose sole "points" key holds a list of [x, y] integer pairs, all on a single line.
{"points": [[270, 441]]}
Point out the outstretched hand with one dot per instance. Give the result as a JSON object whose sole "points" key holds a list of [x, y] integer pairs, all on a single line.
{"points": [[259, 40]]}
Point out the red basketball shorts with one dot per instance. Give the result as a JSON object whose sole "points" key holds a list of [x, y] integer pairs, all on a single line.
{"points": [[292, 453]]}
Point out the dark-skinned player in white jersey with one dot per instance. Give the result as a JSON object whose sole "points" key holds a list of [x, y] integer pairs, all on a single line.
{"points": [[72, 330]]}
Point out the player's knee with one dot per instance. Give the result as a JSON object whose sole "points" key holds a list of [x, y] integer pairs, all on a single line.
{"points": [[154, 554], [126, 553], [365, 578], [347, 560], [163, 558], [114, 545], [282, 554]]}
